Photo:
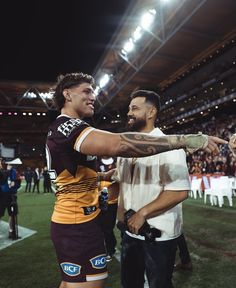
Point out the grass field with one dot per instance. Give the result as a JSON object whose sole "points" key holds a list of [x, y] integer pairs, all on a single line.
{"points": [[210, 232]]}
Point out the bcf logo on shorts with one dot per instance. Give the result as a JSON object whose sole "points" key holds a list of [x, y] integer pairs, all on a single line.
{"points": [[99, 262], [70, 269]]}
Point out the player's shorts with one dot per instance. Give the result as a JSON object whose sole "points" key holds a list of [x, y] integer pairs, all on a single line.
{"points": [[80, 251]]}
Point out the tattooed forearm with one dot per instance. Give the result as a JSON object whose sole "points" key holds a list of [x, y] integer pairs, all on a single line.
{"points": [[140, 145]]}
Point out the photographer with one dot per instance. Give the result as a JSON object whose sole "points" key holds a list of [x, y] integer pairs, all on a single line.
{"points": [[9, 186]]}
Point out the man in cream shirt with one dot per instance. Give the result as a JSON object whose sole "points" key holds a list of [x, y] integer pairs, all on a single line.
{"points": [[154, 187]]}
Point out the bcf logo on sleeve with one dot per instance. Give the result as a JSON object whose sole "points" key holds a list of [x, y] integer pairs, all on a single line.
{"points": [[70, 269], [99, 261]]}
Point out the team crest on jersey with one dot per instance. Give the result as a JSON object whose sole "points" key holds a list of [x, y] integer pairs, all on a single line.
{"points": [[67, 127], [70, 269], [99, 262]]}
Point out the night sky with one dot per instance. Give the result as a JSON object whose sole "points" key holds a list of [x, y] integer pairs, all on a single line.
{"points": [[41, 39]]}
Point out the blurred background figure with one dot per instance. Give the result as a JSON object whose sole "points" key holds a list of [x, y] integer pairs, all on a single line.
{"points": [[46, 181], [28, 179], [184, 255], [109, 216], [36, 177], [10, 183]]}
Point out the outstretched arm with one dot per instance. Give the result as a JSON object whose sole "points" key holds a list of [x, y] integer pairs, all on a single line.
{"points": [[100, 143]]}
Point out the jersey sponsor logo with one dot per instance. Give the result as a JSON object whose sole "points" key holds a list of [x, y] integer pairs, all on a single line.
{"points": [[99, 262], [70, 269], [89, 210], [67, 127]]}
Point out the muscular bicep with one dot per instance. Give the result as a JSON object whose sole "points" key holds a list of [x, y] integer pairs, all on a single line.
{"points": [[100, 143]]}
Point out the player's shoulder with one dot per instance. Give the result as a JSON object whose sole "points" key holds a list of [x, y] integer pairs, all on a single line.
{"points": [[66, 125]]}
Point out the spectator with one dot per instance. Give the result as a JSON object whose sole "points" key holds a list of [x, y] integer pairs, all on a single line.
{"points": [[28, 178], [10, 184], [46, 181], [36, 180], [109, 216]]}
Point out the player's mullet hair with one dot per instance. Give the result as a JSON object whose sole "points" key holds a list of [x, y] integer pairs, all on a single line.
{"points": [[67, 81]]}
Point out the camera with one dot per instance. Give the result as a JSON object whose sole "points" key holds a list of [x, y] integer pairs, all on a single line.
{"points": [[150, 233]]}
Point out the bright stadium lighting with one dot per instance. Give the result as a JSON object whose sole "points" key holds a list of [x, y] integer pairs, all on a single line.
{"points": [[104, 80], [164, 1], [129, 45], [47, 95], [137, 33], [96, 90], [148, 18]]}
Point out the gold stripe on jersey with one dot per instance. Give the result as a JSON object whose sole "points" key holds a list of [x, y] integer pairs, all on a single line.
{"points": [[74, 193], [82, 186], [83, 174]]}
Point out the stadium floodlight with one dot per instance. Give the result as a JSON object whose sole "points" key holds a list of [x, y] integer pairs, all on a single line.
{"points": [[164, 1], [129, 45], [137, 33], [46, 95], [97, 90], [148, 18], [104, 80]]}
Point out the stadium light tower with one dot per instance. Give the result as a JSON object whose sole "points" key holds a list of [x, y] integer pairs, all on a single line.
{"points": [[104, 80], [148, 18]]}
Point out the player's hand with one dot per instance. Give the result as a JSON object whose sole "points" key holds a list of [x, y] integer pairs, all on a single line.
{"points": [[212, 145], [204, 142]]}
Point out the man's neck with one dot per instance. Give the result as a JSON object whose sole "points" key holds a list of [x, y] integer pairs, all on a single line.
{"points": [[71, 113], [147, 129]]}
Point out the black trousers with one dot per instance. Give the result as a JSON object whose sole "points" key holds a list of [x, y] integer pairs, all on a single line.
{"points": [[156, 259], [183, 249]]}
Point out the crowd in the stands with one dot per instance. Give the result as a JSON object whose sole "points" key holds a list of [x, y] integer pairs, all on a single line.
{"points": [[224, 163]]}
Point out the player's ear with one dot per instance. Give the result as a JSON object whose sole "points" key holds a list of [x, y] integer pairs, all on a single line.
{"points": [[67, 95]]}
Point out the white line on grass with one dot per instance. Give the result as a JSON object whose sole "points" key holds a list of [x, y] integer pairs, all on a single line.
{"points": [[5, 241]]}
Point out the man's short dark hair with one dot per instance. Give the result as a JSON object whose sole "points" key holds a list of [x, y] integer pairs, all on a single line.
{"points": [[68, 81], [150, 96]]}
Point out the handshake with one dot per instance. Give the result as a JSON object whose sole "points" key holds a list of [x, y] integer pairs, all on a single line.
{"points": [[150, 233]]}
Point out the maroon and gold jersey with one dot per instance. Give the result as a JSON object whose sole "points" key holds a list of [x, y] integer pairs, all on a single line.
{"points": [[74, 173]]}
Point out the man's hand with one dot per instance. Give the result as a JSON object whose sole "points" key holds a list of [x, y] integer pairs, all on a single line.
{"points": [[232, 144], [194, 142], [106, 176], [135, 222]]}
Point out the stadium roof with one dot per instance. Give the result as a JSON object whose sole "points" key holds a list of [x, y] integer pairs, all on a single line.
{"points": [[188, 42]]}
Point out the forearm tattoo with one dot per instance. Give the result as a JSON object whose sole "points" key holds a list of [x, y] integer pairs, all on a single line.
{"points": [[140, 145]]}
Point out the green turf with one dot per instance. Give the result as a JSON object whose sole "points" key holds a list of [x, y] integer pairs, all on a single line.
{"points": [[210, 232]]}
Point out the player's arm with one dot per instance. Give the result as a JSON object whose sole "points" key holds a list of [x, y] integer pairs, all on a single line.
{"points": [[99, 143]]}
